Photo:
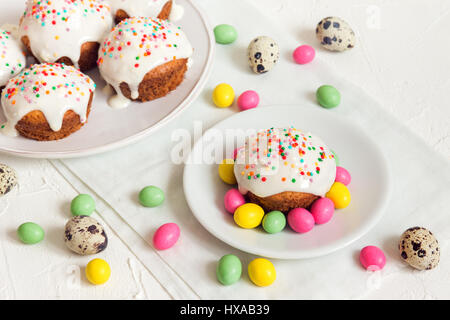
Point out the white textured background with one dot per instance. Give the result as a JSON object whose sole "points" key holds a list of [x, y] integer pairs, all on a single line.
{"points": [[402, 60]]}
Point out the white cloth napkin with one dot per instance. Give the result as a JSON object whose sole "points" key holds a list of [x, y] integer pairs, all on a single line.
{"points": [[420, 193]]}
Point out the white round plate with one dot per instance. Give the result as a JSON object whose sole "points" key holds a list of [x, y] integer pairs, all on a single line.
{"points": [[107, 128], [357, 152]]}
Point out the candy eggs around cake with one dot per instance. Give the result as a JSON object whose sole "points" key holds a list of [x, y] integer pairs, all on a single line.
{"points": [[372, 258], [82, 205], [48, 101], [30, 233], [143, 59], [419, 248], [12, 57], [223, 95], [263, 54], [124, 9], [340, 195], [51, 30], [229, 269], [335, 34], [225, 34]]}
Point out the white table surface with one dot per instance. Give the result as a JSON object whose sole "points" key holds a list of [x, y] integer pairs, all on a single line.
{"points": [[401, 60]]}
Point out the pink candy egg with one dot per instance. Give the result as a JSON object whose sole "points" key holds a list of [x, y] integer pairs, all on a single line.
{"points": [[304, 54], [166, 236], [233, 199], [236, 152], [248, 100], [372, 258], [322, 210], [343, 176], [300, 220]]}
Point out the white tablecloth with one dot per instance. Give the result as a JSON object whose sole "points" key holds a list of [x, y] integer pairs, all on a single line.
{"points": [[421, 176]]}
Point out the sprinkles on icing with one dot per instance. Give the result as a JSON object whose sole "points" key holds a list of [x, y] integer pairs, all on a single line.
{"points": [[286, 160], [12, 58]]}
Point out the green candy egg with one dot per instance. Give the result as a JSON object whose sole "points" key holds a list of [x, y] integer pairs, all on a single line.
{"points": [[336, 158], [328, 96], [225, 34], [30, 233], [82, 205], [274, 222], [151, 197], [229, 269]]}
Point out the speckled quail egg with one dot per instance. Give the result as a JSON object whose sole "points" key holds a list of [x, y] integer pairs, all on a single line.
{"points": [[419, 248], [85, 235], [263, 54], [335, 34], [8, 179]]}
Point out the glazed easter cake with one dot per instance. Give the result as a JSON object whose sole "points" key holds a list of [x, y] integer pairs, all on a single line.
{"points": [[12, 58], [65, 31], [144, 59], [47, 102], [283, 169], [123, 9]]}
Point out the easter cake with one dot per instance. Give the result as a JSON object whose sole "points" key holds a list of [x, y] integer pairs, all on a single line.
{"points": [[124, 9], [47, 102], [12, 58], [65, 31], [283, 169], [144, 59]]}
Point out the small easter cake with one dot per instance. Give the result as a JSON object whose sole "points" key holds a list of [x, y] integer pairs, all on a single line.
{"points": [[47, 102], [124, 9], [144, 59], [65, 31], [12, 58], [283, 169]]}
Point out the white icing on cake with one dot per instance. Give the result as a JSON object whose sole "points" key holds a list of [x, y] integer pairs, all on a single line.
{"points": [[305, 164], [52, 89], [146, 8], [59, 28], [135, 47], [12, 58]]}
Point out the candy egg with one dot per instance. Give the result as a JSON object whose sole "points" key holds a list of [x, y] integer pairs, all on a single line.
{"points": [[343, 176], [223, 95], [274, 222], [85, 235], [340, 195], [335, 34], [300, 220], [98, 271], [166, 236], [226, 171], [328, 96], [225, 34], [229, 269], [151, 197], [262, 272], [322, 210], [372, 258], [82, 205], [8, 179], [249, 216], [419, 248], [263, 54], [248, 100], [30, 233], [304, 54], [233, 200]]}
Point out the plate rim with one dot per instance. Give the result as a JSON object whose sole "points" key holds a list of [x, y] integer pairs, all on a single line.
{"points": [[192, 96], [325, 250]]}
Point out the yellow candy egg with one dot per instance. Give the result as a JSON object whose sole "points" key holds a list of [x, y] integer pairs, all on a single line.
{"points": [[226, 171], [262, 272], [248, 216], [98, 271], [340, 195], [223, 95]]}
